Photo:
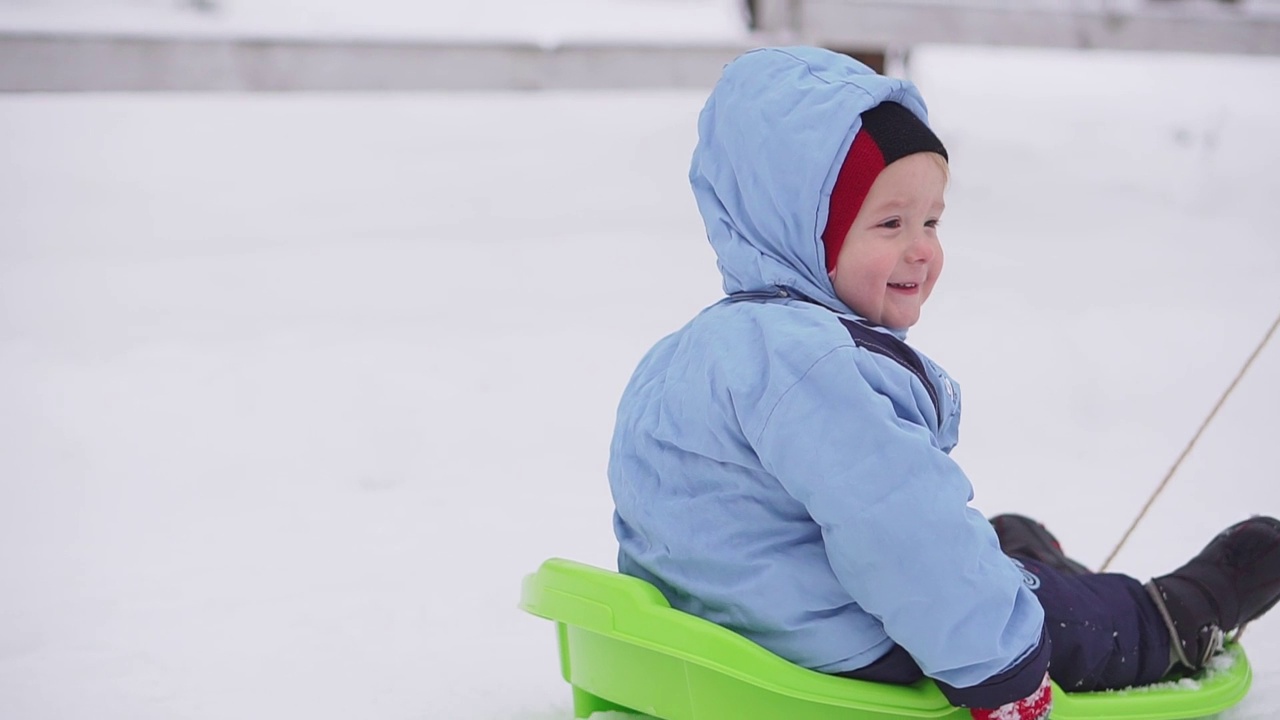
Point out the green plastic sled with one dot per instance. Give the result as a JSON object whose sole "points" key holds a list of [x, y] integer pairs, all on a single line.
{"points": [[624, 648]]}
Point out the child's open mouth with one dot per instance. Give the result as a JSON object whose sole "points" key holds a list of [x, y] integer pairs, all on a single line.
{"points": [[904, 287]]}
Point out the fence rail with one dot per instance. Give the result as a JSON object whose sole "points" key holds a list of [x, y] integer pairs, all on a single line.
{"points": [[89, 63], [1164, 25], [56, 61]]}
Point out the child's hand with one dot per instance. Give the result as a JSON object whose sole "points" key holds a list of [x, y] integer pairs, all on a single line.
{"points": [[1035, 706]]}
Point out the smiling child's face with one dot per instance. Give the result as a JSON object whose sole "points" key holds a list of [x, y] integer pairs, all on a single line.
{"points": [[891, 257]]}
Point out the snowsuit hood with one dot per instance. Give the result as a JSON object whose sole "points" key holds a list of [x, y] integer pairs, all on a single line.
{"points": [[771, 139]]}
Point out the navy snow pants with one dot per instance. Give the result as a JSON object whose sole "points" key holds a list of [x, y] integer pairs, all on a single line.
{"points": [[1105, 633]]}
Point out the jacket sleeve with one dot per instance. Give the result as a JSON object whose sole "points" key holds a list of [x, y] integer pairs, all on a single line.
{"points": [[895, 517]]}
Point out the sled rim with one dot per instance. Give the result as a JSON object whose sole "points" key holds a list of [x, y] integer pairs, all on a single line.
{"points": [[619, 637]]}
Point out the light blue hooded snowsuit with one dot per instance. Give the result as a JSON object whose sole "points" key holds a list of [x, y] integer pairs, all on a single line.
{"points": [[768, 474]]}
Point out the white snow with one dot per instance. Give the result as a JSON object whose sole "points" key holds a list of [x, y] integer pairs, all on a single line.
{"points": [[545, 21], [294, 389]]}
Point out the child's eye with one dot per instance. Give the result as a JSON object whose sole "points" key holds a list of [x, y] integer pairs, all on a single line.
{"points": [[931, 223], [891, 223]]}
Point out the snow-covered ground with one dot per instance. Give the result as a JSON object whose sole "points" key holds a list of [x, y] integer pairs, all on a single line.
{"points": [[295, 389]]}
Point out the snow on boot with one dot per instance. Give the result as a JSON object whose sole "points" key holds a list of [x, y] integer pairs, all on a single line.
{"points": [[1235, 579], [1023, 537]]}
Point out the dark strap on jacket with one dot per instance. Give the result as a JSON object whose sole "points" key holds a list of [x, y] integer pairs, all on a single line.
{"points": [[863, 337], [896, 350]]}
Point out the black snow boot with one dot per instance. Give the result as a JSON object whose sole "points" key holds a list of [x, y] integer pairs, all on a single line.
{"points": [[1235, 579], [1021, 536]]}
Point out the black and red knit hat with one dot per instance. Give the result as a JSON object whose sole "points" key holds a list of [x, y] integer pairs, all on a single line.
{"points": [[889, 132]]}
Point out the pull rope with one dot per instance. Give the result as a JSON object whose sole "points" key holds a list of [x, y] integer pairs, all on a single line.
{"points": [[1187, 450]]}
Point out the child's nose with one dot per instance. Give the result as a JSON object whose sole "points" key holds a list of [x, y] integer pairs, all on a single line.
{"points": [[922, 248]]}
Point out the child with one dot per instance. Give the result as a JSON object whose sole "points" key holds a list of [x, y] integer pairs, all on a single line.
{"points": [[780, 464]]}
